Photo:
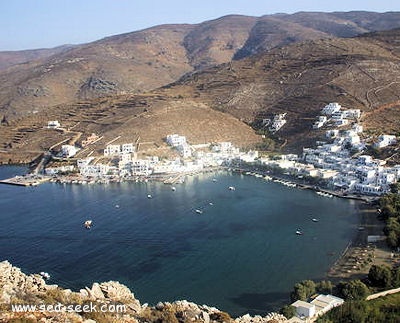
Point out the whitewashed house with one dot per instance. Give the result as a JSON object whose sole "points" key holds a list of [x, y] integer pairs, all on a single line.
{"points": [[84, 162], [184, 150], [54, 124], [68, 151], [278, 122], [304, 309], [127, 148], [320, 122], [176, 140], [385, 140], [141, 167], [331, 134], [331, 108], [352, 114], [112, 150], [324, 303]]}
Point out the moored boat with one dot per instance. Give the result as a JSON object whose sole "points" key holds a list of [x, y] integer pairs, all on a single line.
{"points": [[88, 224]]}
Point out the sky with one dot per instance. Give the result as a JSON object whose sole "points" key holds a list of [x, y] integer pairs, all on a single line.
{"points": [[31, 24]]}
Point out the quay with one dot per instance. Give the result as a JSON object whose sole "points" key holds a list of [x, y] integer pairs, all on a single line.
{"points": [[23, 181]]}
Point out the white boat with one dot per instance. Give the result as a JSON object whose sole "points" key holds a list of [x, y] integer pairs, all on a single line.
{"points": [[231, 188], [198, 211], [173, 188], [149, 196], [214, 179], [45, 275], [299, 232], [87, 224], [211, 203], [117, 206], [314, 220]]}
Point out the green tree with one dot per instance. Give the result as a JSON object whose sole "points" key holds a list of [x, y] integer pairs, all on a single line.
{"points": [[353, 290], [324, 287], [288, 311], [303, 290], [380, 276], [396, 277]]}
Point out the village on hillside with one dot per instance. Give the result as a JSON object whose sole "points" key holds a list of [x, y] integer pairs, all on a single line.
{"points": [[339, 162]]}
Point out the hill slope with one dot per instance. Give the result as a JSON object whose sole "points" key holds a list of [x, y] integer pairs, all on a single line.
{"points": [[144, 60], [298, 79]]}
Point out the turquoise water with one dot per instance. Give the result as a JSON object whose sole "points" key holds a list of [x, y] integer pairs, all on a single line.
{"points": [[240, 255]]}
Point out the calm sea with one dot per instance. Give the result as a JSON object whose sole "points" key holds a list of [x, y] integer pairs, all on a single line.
{"points": [[240, 255]]}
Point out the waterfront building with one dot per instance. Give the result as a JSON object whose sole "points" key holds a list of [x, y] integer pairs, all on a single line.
{"points": [[304, 309]]}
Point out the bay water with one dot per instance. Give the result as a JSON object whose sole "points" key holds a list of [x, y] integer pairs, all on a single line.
{"points": [[240, 254]]}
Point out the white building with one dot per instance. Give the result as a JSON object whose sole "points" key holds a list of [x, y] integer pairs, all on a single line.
{"points": [[53, 124], [184, 150], [352, 114], [140, 167], [112, 150], [68, 151], [61, 169], [278, 122], [320, 122], [385, 140], [332, 133], [176, 140], [304, 309], [84, 162], [331, 108], [324, 303], [127, 148]]}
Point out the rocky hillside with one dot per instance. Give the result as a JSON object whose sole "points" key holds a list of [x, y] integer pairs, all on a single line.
{"points": [[222, 102], [10, 58], [105, 302], [140, 61], [299, 79]]}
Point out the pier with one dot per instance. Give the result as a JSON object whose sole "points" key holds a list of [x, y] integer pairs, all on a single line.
{"points": [[23, 181]]}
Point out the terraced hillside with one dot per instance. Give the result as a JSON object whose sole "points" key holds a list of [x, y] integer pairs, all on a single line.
{"points": [[221, 102], [140, 61]]}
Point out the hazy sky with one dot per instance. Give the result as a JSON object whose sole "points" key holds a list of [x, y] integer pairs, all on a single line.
{"points": [[27, 24]]}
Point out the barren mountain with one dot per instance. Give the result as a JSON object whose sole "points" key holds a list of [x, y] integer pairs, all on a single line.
{"points": [[220, 103], [11, 58], [144, 60]]}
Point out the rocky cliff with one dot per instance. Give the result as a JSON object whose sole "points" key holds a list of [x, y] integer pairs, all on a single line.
{"points": [[104, 302]]}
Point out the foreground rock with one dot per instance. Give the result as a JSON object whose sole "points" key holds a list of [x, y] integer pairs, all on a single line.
{"points": [[105, 302]]}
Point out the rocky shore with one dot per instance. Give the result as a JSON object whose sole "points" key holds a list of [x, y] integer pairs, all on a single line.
{"points": [[103, 302]]}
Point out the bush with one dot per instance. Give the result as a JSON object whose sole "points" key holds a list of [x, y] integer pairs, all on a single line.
{"points": [[288, 311], [353, 290], [380, 276]]}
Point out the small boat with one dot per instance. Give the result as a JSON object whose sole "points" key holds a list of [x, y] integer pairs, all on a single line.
{"points": [[44, 275], [211, 203], [299, 232], [214, 179], [198, 211], [314, 220], [88, 224], [149, 196], [231, 188], [117, 206], [173, 188]]}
